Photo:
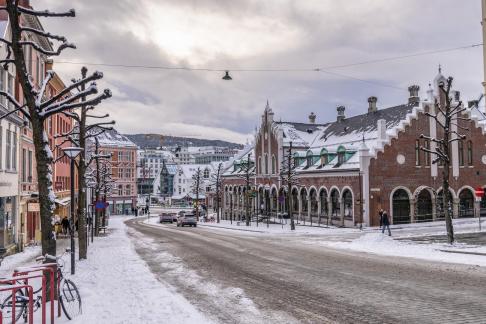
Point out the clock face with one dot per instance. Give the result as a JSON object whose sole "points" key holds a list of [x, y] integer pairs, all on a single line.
{"points": [[483, 159], [400, 159]]}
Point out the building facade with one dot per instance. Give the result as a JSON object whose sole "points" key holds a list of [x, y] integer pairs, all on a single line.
{"points": [[123, 164], [349, 169]]}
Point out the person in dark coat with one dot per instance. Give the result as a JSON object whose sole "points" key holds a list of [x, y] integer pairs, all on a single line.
{"points": [[386, 223], [65, 225], [380, 215]]}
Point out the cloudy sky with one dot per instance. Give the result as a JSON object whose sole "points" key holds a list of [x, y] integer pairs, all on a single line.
{"points": [[256, 34]]}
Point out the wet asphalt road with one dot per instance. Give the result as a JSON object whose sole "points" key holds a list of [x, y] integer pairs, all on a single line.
{"points": [[288, 281]]}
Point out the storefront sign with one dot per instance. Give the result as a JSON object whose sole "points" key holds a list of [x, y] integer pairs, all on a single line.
{"points": [[33, 207]]}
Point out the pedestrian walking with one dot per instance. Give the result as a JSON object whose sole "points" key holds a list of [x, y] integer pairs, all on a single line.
{"points": [[65, 225], [386, 223], [380, 215]]}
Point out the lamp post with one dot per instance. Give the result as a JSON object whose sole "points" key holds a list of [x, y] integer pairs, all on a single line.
{"points": [[72, 153]]}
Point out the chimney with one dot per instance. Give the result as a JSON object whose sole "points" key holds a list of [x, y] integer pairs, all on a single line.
{"points": [[372, 104], [49, 64], [414, 98], [340, 115], [312, 118]]}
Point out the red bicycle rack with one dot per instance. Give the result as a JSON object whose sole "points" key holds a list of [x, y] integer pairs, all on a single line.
{"points": [[14, 288], [26, 273]]}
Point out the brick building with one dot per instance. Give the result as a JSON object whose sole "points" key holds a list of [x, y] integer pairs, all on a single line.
{"points": [[123, 164], [351, 168]]}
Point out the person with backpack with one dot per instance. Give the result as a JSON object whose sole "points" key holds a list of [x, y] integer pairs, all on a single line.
{"points": [[386, 223]]}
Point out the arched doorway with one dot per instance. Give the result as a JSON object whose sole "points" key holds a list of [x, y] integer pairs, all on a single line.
{"points": [[295, 201], [282, 200], [274, 197], [304, 203], [401, 207], [324, 212], [314, 205], [348, 204], [424, 206], [335, 205], [466, 203]]}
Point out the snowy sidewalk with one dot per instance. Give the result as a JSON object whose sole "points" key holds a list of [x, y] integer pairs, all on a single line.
{"points": [[117, 286]]}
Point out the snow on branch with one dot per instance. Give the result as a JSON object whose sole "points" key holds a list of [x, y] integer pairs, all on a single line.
{"points": [[48, 78], [89, 91], [43, 33], [57, 52], [105, 95], [95, 76], [12, 112]]}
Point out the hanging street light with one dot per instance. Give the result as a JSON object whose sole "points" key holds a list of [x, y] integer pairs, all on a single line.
{"points": [[227, 77], [72, 153]]}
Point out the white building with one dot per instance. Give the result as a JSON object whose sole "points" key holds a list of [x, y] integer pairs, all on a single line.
{"points": [[149, 162], [10, 131]]}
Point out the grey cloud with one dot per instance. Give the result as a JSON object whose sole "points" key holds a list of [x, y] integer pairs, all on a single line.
{"points": [[329, 33]]}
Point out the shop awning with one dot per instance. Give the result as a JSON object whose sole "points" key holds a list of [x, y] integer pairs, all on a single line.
{"points": [[63, 201]]}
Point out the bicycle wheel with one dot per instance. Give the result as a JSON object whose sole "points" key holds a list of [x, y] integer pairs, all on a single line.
{"points": [[20, 306], [70, 299]]}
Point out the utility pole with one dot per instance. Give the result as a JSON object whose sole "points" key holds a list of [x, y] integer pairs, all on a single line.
{"points": [[483, 23]]}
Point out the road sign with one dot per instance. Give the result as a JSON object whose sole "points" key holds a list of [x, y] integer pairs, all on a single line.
{"points": [[101, 205], [479, 192]]}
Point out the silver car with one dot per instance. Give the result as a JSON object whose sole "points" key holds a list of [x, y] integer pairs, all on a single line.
{"points": [[186, 219]]}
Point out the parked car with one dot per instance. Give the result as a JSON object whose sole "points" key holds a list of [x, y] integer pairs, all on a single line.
{"points": [[165, 218], [186, 219]]}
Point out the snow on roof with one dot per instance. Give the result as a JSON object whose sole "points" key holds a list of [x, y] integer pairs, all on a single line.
{"points": [[112, 138], [190, 169]]}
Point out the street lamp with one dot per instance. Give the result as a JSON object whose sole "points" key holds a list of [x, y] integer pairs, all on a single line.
{"points": [[72, 153], [227, 77]]}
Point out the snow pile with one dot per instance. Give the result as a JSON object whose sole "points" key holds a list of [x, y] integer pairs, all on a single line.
{"points": [[383, 244], [117, 286]]}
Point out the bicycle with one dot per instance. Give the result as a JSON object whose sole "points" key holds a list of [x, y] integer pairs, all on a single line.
{"points": [[67, 292]]}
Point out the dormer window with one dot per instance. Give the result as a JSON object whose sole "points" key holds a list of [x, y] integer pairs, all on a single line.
{"points": [[309, 161], [341, 154], [324, 157]]}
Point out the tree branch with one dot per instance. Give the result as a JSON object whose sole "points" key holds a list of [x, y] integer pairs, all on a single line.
{"points": [[106, 94], [45, 13], [95, 76], [62, 47]]}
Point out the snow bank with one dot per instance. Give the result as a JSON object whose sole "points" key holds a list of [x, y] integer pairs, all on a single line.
{"points": [[117, 286], [383, 244]]}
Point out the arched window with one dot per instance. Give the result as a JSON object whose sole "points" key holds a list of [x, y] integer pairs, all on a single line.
{"points": [[266, 163], [348, 204], [461, 152], [274, 165], [469, 153], [401, 207], [260, 165], [206, 173], [417, 152], [466, 203], [335, 205]]}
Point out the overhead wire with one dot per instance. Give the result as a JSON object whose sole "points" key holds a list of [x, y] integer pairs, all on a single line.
{"points": [[324, 69]]}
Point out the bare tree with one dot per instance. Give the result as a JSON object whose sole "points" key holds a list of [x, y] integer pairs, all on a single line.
{"points": [[215, 183], [196, 188], [288, 177], [446, 115], [36, 106], [247, 172]]}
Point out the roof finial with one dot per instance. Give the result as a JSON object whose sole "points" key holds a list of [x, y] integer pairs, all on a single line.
{"points": [[267, 106], [440, 69]]}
